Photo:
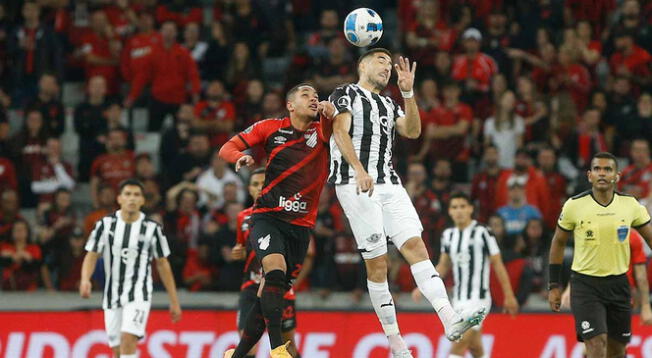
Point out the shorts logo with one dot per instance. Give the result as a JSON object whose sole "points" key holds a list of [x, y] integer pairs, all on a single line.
{"points": [[263, 242], [627, 334], [622, 231], [374, 238], [586, 327]]}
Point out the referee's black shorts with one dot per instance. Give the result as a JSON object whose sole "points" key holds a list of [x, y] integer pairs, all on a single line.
{"points": [[269, 235], [601, 305]]}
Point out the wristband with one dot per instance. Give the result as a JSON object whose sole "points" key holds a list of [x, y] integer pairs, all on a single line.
{"points": [[407, 94], [554, 273]]}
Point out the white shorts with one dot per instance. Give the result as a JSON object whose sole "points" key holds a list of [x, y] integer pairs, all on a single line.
{"points": [[466, 307], [130, 318], [387, 213]]}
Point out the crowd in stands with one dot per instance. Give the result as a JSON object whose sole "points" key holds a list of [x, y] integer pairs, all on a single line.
{"points": [[515, 98]]}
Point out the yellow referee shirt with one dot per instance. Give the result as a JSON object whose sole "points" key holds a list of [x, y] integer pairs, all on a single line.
{"points": [[601, 233]]}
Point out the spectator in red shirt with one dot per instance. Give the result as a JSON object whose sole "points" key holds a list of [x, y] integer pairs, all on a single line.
{"points": [[51, 173], [34, 50], [425, 202], [179, 12], [635, 179], [531, 107], [537, 192], [27, 147], [171, 71], [216, 114], [428, 34], [106, 205], [7, 175], [182, 223], [571, 76], [317, 43], [587, 140], [473, 67], [250, 109], [101, 51], [114, 166], [485, 182], [9, 213], [48, 103], [335, 69], [446, 132], [20, 260], [630, 60], [596, 11], [547, 161], [121, 17], [70, 262], [591, 49], [139, 47]]}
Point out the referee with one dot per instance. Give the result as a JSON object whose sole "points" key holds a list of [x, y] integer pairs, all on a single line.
{"points": [[128, 241], [600, 220]]}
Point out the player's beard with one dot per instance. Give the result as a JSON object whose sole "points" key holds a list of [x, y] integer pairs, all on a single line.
{"points": [[379, 85]]}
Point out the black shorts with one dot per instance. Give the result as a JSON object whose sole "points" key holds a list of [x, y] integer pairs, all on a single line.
{"points": [[247, 300], [272, 236], [601, 305]]}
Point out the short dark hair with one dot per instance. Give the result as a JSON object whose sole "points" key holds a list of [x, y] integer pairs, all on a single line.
{"points": [[294, 90], [131, 182], [606, 155], [371, 52], [460, 195], [256, 172]]}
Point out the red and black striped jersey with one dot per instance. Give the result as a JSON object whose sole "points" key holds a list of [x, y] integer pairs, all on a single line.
{"points": [[296, 171]]}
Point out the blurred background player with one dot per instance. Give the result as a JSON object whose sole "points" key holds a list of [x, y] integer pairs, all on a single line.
{"points": [[253, 273], [465, 248], [361, 162], [128, 288], [600, 220], [286, 209]]}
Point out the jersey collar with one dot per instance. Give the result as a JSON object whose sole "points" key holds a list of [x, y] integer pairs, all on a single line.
{"points": [[604, 206]]}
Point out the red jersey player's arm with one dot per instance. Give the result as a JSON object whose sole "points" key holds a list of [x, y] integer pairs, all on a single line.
{"points": [[231, 151], [325, 128]]}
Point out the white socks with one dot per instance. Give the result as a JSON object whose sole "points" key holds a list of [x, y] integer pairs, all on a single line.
{"points": [[433, 289], [135, 355], [455, 356], [383, 304]]}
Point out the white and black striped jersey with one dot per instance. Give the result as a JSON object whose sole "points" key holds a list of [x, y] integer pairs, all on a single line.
{"points": [[469, 251], [373, 127], [127, 249]]}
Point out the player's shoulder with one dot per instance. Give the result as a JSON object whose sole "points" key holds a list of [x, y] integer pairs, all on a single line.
{"points": [[583, 195], [268, 123], [347, 89], [628, 199]]}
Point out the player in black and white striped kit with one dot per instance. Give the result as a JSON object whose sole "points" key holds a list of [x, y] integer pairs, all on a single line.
{"points": [[468, 249], [128, 241], [364, 128]]}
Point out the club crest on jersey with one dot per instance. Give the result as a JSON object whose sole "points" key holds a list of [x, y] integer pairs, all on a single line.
{"points": [[311, 139], [622, 232], [343, 102]]}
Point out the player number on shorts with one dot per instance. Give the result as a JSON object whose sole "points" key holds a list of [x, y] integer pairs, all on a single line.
{"points": [[139, 317]]}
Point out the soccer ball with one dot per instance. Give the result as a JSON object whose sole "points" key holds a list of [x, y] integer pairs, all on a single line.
{"points": [[363, 27]]}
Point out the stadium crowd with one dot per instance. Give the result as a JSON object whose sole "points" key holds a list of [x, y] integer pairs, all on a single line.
{"points": [[515, 98]]}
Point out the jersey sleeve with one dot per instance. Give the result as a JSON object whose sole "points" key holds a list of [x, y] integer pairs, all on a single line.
{"points": [[445, 244], [160, 246], [490, 242], [398, 111], [95, 242], [566, 219], [641, 216], [256, 133], [342, 98], [636, 247]]}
